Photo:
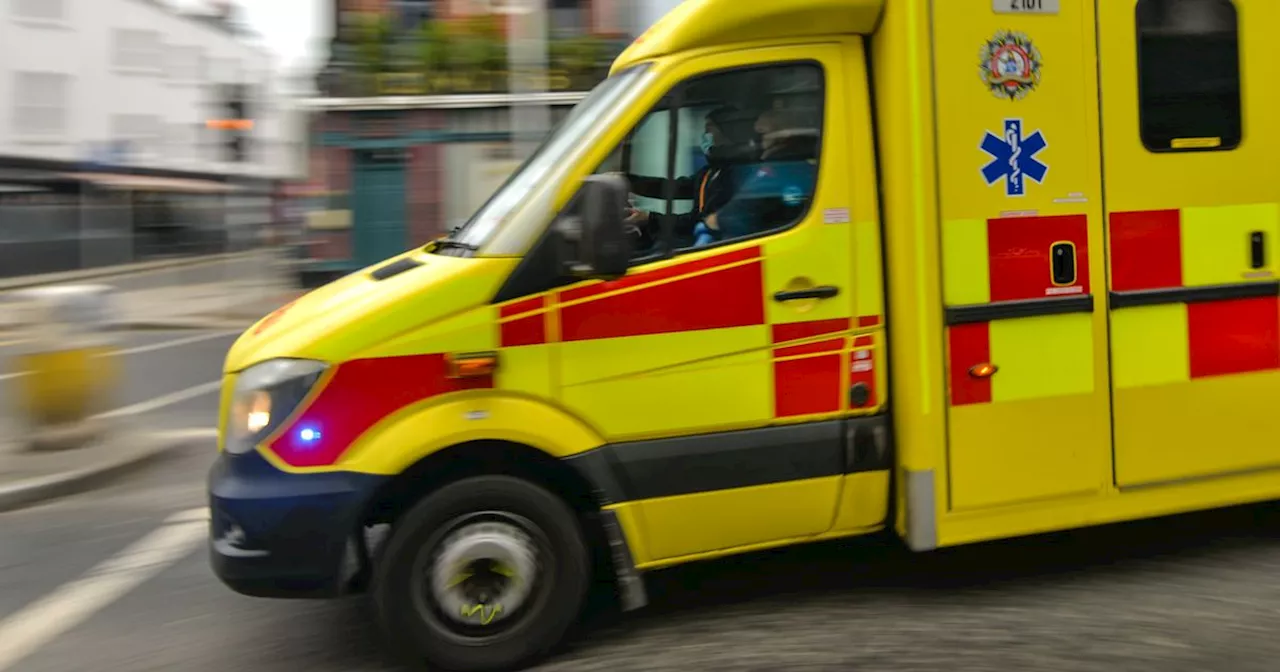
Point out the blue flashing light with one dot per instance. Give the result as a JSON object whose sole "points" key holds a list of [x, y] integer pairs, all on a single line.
{"points": [[309, 435]]}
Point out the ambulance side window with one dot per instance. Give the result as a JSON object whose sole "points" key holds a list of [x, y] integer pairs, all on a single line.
{"points": [[1189, 75], [725, 156]]}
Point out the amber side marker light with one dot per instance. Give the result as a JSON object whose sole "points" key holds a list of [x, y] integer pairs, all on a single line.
{"points": [[230, 124], [985, 370], [472, 365]]}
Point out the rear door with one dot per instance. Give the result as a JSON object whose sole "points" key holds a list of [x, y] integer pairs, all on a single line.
{"points": [[1192, 191], [1022, 249]]}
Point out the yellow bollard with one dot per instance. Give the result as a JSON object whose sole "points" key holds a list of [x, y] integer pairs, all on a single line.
{"points": [[67, 372]]}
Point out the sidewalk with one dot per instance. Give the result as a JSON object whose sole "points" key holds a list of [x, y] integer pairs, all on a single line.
{"points": [[231, 305], [30, 477], [210, 305]]}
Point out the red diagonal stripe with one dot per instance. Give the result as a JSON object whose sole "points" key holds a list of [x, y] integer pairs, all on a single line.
{"points": [[359, 394], [522, 306], [732, 297]]}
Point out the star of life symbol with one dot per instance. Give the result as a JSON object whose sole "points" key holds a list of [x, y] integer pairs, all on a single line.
{"points": [[1013, 158]]}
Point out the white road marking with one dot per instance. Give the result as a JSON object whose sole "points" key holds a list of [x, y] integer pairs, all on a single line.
{"points": [[162, 401], [192, 433], [34, 626], [151, 347]]}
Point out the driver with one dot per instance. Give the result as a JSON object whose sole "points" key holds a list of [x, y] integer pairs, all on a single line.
{"points": [[711, 188]]}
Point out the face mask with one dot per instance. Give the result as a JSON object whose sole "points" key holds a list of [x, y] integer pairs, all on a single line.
{"points": [[707, 143]]}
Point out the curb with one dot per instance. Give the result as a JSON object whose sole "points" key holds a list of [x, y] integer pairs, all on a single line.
{"points": [[23, 282], [32, 491]]}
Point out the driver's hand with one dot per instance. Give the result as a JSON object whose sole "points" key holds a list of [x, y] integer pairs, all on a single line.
{"points": [[635, 218]]}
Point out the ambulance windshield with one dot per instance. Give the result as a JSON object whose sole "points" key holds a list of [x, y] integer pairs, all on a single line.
{"points": [[544, 167]]}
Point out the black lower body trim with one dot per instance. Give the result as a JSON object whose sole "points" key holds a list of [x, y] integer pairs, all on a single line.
{"points": [[1156, 297], [722, 461], [1004, 310]]}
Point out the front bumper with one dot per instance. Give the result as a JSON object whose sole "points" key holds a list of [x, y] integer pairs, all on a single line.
{"points": [[276, 534]]}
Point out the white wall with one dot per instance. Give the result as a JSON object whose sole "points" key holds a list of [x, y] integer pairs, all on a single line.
{"points": [[647, 12], [69, 86]]}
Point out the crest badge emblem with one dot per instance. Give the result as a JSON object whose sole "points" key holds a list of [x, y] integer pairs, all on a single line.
{"points": [[1009, 65]]}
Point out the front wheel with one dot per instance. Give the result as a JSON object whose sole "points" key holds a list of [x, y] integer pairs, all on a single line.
{"points": [[487, 573]]}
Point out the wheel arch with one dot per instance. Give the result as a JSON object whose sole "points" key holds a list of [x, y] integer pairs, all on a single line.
{"points": [[575, 486]]}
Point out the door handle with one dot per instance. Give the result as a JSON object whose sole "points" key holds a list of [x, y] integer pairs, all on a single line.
{"points": [[1257, 250], [820, 292]]}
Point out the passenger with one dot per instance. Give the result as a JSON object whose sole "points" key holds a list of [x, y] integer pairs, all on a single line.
{"points": [[775, 191], [782, 139], [711, 188]]}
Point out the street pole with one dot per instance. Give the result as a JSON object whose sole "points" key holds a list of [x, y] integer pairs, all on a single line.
{"points": [[527, 73]]}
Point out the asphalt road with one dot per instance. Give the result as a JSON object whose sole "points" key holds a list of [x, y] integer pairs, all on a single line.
{"points": [[1191, 593]]}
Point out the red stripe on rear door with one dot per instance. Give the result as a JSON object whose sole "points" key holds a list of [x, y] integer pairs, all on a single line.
{"points": [[1233, 336], [1146, 250], [968, 344], [1018, 249]]}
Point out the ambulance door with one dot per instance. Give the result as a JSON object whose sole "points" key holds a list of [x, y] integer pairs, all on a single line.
{"points": [[1021, 230], [1190, 138], [717, 367]]}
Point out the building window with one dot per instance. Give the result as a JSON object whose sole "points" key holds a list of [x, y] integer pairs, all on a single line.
{"points": [[184, 64], [1189, 75], [52, 11], [41, 101], [412, 13], [137, 50], [143, 132], [566, 17]]}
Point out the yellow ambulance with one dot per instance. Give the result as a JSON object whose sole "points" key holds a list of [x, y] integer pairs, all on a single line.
{"points": [[960, 269]]}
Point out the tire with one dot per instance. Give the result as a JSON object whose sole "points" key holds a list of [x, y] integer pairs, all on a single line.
{"points": [[416, 622]]}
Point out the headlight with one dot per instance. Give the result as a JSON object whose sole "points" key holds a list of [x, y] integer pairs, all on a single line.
{"points": [[265, 395]]}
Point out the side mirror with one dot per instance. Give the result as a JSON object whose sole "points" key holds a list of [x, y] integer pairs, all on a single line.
{"points": [[594, 226]]}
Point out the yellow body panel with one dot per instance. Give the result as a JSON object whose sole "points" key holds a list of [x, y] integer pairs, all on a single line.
{"points": [[1217, 236], [706, 24], [707, 522], [722, 393], [1172, 450], [966, 279], [1041, 357], [418, 431], [1138, 360], [1021, 450]]}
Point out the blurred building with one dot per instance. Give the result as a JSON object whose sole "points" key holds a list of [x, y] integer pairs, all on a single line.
{"points": [[110, 101], [412, 131], [132, 84]]}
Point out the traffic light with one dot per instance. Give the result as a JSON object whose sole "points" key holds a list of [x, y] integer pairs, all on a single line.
{"points": [[236, 123]]}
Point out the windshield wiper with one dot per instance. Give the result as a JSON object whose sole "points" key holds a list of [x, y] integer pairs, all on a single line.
{"points": [[451, 244]]}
